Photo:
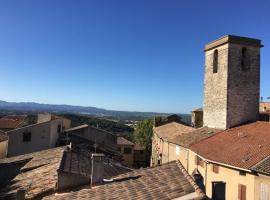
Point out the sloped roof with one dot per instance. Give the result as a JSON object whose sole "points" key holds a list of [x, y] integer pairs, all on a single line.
{"points": [[12, 122], [171, 130], [195, 136], [124, 141], [80, 163], [167, 181], [263, 166], [243, 146], [39, 175]]}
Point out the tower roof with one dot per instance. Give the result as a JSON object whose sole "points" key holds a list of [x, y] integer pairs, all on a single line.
{"points": [[233, 39]]}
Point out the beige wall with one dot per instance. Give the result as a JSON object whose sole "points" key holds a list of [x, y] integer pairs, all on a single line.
{"points": [[3, 149], [261, 179], [128, 159], [230, 176], [67, 123], [169, 151], [43, 136]]}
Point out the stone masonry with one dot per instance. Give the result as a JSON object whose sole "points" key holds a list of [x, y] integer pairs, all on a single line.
{"points": [[231, 96]]}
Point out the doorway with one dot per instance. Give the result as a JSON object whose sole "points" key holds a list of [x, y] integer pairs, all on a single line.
{"points": [[218, 190]]}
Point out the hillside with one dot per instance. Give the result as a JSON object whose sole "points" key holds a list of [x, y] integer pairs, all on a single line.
{"points": [[97, 112]]}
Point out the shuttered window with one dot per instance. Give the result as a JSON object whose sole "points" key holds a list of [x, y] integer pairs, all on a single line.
{"points": [[215, 168], [199, 161], [264, 192], [241, 192]]}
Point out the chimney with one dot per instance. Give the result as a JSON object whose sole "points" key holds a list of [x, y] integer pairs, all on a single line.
{"points": [[97, 168], [21, 194]]}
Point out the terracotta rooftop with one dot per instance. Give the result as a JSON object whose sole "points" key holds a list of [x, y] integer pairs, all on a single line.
{"points": [[80, 163], [124, 141], [195, 136], [12, 121], [171, 130], [182, 134], [167, 181], [37, 172], [38, 176], [243, 146]]}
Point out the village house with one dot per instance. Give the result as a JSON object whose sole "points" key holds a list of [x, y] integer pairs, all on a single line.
{"points": [[11, 122], [140, 156], [126, 148], [45, 117], [265, 111], [93, 138], [35, 137], [264, 106], [171, 141], [229, 161], [72, 173]]}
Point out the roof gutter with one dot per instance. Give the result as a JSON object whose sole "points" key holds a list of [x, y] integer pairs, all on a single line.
{"points": [[170, 141], [223, 164]]}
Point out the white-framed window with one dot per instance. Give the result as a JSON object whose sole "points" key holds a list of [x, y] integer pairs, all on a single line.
{"points": [[177, 150], [264, 192]]}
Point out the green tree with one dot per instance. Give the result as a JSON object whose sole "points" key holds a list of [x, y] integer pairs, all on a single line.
{"points": [[143, 133]]}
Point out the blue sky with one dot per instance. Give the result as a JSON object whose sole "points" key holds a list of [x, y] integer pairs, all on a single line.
{"points": [[143, 55]]}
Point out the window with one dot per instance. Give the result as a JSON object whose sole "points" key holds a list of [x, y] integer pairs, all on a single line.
{"points": [[177, 150], [215, 168], [264, 192], [241, 192], [59, 127], [141, 152], [27, 136], [127, 150], [215, 61], [244, 60], [242, 173]]}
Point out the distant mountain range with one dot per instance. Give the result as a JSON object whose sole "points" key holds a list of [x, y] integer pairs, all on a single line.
{"points": [[99, 112]]}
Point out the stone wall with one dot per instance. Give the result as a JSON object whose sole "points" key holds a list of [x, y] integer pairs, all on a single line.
{"points": [[243, 86], [231, 96], [215, 89]]}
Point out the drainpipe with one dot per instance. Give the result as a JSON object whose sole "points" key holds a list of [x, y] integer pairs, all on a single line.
{"points": [[205, 175], [187, 161]]}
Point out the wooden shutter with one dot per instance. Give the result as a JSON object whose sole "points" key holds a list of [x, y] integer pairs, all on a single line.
{"points": [[215, 168], [241, 192]]}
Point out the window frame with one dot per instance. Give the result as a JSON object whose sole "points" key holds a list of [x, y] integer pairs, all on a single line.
{"points": [[129, 150], [215, 61]]}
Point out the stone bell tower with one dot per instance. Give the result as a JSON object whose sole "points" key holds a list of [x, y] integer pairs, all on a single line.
{"points": [[231, 81]]}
